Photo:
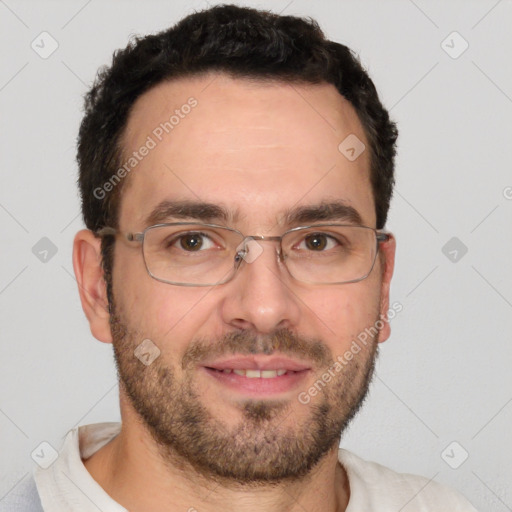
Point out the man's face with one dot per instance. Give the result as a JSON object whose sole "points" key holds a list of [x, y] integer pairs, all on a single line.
{"points": [[258, 151]]}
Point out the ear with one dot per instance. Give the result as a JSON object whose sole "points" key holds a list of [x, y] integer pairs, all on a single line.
{"points": [[387, 264], [91, 283]]}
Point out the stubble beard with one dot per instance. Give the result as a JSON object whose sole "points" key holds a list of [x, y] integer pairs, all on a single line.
{"points": [[258, 449]]}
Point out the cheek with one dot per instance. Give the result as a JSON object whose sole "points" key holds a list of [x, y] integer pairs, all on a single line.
{"points": [[154, 308], [168, 315], [344, 313]]}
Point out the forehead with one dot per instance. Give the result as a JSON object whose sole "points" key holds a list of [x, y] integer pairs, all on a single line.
{"points": [[257, 149]]}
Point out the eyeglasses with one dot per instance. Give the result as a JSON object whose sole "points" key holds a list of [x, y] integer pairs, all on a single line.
{"points": [[191, 254]]}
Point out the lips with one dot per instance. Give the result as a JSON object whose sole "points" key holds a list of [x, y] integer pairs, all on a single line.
{"points": [[252, 365], [257, 376]]}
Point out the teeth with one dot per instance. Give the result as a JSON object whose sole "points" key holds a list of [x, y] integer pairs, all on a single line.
{"points": [[254, 374]]}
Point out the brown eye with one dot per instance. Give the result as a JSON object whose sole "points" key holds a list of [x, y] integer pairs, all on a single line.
{"points": [[316, 242], [191, 242]]}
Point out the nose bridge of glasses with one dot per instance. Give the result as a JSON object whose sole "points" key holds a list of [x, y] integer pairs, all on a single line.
{"points": [[249, 249], [264, 238]]}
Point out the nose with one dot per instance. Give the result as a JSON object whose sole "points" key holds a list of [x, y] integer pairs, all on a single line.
{"points": [[261, 295]]}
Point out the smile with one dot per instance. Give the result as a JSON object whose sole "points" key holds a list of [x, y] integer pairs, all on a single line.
{"points": [[256, 374]]}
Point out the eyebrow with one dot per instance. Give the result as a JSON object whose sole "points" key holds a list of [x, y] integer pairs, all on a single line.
{"points": [[334, 211], [338, 211], [189, 210]]}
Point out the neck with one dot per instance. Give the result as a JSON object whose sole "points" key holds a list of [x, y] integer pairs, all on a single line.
{"points": [[132, 471]]}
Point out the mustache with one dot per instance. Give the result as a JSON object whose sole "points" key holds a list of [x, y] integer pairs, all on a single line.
{"points": [[283, 341]]}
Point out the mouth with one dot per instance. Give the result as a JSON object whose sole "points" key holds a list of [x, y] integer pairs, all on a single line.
{"points": [[257, 376]]}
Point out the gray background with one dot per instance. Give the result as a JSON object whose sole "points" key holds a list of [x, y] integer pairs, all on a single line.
{"points": [[444, 375]]}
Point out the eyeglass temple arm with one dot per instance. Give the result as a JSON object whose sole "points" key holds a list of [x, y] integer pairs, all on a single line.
{"points": [[383, 237], [131, 237], [106, 231]]}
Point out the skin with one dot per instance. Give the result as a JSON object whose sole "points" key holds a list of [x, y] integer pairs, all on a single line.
{"points": [[261, 149]]}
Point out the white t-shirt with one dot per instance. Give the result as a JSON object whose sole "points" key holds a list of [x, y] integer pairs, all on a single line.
{"points": [[67, 486]]}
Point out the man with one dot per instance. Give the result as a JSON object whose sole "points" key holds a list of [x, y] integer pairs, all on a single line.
{"points": [[235, 173]]}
